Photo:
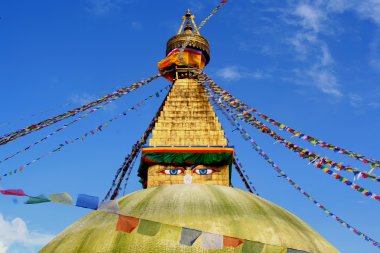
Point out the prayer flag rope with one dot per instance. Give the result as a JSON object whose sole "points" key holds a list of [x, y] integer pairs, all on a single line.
{"points": [[35, 114], [282, 173], [239, 105], [318, 164], [45, 123], [82, 137], [128, 175], [58, 130], [129, 224], [314, 158], [238, 166], [135, 151], [243, 175]]}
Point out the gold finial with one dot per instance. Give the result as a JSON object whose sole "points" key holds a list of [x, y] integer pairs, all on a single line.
{"points": [[189, 18], [189, 28]]}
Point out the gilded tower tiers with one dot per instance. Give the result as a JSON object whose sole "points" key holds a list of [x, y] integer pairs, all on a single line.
{"points": [[188, 143]]}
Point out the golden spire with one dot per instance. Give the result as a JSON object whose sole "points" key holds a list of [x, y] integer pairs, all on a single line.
{"points": [[189, 28]]}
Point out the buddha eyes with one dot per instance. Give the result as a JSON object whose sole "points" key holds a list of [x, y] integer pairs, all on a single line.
{"points": [[174, 172], [203, 171]]}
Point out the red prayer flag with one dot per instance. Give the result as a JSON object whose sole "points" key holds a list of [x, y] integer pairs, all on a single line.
{"points": [[126, 223], [13, 192], [231, 241]]}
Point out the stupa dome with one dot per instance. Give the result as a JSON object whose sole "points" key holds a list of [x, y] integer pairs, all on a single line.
{"points": [[210, 208]]}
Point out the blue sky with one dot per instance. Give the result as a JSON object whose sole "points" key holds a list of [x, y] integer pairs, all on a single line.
{"points": [[314, 65]]}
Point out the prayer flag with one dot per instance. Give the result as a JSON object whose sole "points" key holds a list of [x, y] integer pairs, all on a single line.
{"points": [[111, 206], [212, 241], [13, 192], [87, 201], [231, 242], [61, 198], [126, 223], [189, 236], [148, 227], [36, 200], [274, 249], [295, 251], [169, 232], [250, 246]]}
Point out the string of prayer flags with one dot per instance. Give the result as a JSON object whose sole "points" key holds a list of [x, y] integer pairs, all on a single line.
{"points": [[243, 175], [212, 241], [319, 163], [135, 151], [232, 242], [283, 175], [238, 105], [217, 8], [13, 192], [110, 206], [186, 236], [61, 198], [55, 131], [303, 153], [126, 223], [189, 236], [45, 123], [87, 201], [82, 137], [37, 200], [148, 227]]}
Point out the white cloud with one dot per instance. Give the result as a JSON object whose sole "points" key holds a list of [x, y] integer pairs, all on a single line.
{"points": [[105, 7], [236, 73], [364, 102], [137, 26], [369, 9], [229, 73], [318, 70], [81, 99], [310, 17], [375, 53], [16, 231]]}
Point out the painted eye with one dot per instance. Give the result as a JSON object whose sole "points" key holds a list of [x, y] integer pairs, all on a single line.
{"points": [[204, 171], [172, 172]]}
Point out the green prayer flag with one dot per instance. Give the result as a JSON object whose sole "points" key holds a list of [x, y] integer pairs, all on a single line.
{"points": [[252, 247], [147, 227], [169, 232], [36, 200]]}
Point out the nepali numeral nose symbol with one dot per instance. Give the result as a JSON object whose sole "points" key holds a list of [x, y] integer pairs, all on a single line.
{"points": [[187, 179]]}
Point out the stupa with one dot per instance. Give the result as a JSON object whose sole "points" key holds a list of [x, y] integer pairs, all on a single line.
{"points": [[186, 176]]}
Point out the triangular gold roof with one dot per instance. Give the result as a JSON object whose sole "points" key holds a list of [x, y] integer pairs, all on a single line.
{"points": [[187, 118]]}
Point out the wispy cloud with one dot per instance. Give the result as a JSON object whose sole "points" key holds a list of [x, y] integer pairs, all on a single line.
{"points": [[137, 26], [311, 21], [16, 231], [85, 98], [237, 73], [81, 99], [105, 7]]}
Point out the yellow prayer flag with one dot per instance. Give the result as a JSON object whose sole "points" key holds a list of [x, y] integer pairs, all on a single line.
{"points": [[169, 232], [61, 198]]}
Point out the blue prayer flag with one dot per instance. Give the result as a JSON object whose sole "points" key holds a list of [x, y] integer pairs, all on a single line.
{"points": [[87, 201]]}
